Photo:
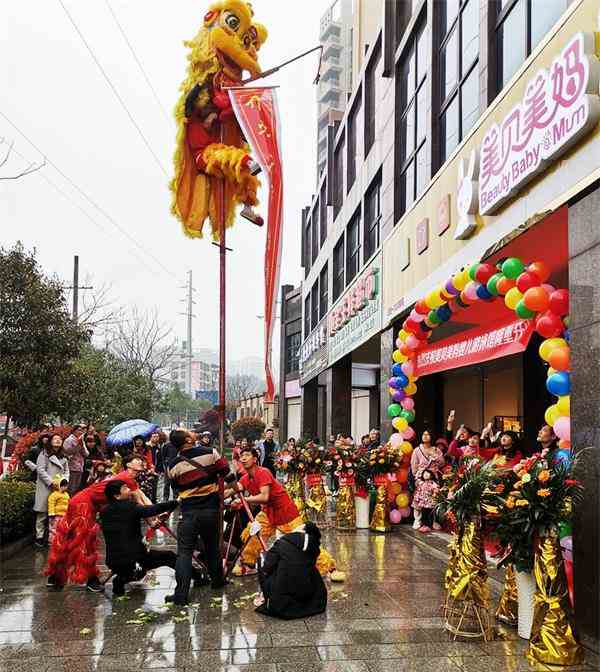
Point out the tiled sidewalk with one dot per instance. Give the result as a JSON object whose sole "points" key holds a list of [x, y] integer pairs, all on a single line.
{"points": [[384, 618]]}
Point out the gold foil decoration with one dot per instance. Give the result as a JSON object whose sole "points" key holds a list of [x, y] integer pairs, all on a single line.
{"points": [[468, 599], [295, 489], [508, 607], [345, 511], [552, 641], [450, 575], [380, 521], [316, 501]]}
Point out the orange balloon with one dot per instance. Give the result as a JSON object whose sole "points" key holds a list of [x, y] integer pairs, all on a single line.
{"points": [[402, 475], [540, 269], [563, 443], [504, 284], [560, 359], [536, 299]]}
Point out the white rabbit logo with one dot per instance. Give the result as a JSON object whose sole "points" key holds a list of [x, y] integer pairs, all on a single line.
{"points": [[467, 197]]}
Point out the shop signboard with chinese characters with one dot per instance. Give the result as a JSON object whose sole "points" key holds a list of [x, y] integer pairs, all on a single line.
{"points": [[559, 106], [313, 353], [474, 346], [356, 317]]}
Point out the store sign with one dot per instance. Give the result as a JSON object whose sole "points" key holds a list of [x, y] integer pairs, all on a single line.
{"points": [[313, 353], [474, 346], [357, 316], [560, 105]]}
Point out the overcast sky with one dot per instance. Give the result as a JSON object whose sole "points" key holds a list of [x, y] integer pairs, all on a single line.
{"points": [[52, 90]]}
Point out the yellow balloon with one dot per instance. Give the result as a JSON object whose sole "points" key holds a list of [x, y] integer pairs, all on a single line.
{"points": [[552, 414], [551, 371], [412, 378], [410, 389], [400, 423], [549, 345], [406, 448], [398, 357], [402, 335], [434, 300], [402, 500], [460, 280], [513, 296], [564, 405], [392, 391]]}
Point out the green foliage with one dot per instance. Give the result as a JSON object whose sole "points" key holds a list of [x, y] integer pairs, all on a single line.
{"points": [[38, 339], [248, 428], [176, 401], [16, 509]]}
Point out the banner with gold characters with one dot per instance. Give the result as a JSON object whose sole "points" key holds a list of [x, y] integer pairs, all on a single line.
{"points": [[257, 113]]}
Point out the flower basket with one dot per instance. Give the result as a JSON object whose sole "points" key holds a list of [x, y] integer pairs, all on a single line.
{"points": [[295, 489], [380, 520], [508, 607], [345, 511]]}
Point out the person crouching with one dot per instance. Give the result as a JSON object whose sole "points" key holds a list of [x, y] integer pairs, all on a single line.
{"points": [[126, 555], [291, 584]]}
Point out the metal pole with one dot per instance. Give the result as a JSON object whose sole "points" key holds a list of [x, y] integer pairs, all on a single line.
{"points": [[189, 335], [222, 313], [75, 288]]}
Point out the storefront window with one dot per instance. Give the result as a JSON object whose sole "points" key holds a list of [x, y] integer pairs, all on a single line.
{"points": [[459, 73], [338, 269], [292, 352], [352, 150], [314, 305], [372, 217], [338, 177], [520, 25], [412, 121], [323, 292], [353, 247]]}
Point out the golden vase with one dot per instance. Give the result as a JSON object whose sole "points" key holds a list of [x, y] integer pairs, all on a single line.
{"points": [[295, 489], [345, 510], [508, 607], [380, 521]]}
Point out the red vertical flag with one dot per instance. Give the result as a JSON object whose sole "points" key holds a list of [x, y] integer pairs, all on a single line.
{"points": [[258, 116]]}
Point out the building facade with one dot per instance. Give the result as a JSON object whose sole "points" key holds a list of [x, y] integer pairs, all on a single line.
{"points": [[205, 375], [471, 135], [289, 366]]}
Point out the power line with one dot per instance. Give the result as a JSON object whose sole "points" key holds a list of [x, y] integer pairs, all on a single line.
{"points": [[114, 89], [91, 201], [139, 64]]}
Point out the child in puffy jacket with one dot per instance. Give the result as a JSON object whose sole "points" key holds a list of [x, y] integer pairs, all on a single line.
{"points": [[58, 503]]}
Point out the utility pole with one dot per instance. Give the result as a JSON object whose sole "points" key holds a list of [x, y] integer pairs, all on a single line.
{"points": [[76, 288], [190, 316]]}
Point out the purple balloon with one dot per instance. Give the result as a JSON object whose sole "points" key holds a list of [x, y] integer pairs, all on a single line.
{"points": [[451, 289], [395, 516], [393, 382], [398, 396]]}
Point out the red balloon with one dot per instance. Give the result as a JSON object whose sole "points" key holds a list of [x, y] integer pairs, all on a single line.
{"points": [[411, 326], [536, 299], [527, 280], [560, 358], [421, 307], [504, 284], [540, 269], [559, 302], [549, 325], [405, 350], [422, 335], [484, 273]]}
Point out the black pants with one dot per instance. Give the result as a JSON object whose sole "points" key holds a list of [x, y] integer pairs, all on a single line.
{"points": [[427, 517], [197, 522], [150, 560]]}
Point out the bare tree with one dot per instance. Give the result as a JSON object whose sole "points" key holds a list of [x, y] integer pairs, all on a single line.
{"points": [[98, 310], [31, 168], [143, 342], [242, 386]]}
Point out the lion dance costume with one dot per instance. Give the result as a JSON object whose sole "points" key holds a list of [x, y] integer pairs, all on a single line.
{"points": [[211, 148]]}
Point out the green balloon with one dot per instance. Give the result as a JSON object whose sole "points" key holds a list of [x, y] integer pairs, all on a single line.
{"points": [[512, 268], [492, 282], [473, 271], [524, 312], [394, 410], [409, 416], [433, 317]]}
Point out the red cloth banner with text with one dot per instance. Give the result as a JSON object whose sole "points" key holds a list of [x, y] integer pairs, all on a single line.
{"points": [[258, 116], [506, 337]]}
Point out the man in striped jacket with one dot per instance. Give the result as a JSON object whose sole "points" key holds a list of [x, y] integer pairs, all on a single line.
{"points": [[194, 475]]}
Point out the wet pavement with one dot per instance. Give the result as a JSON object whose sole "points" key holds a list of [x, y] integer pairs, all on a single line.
{"points": [[385, 617]]}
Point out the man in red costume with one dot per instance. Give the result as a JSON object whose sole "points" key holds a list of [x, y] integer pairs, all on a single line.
{"points": [[74, 552]]}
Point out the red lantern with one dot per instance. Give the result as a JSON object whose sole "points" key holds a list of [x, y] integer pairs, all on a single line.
{"points": [[504, 285], [559, 302], [527, 280], [536, 298], [484, 273], [549, 325], [560, 358], [421, 307], [540, 269]]}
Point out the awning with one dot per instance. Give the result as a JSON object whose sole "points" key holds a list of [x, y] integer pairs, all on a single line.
{"points": [[480, 344]]}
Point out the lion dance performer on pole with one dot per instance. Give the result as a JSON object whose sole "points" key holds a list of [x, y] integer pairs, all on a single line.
{"points": [[210, 143]]}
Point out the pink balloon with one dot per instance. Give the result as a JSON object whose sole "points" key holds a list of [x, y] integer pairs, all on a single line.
{"points": [[549, 288], [396, 440], [417, 317], [405, 511], [399, 343], [471, 291], [395, 516], [562, 428], [408, 368], [408, 404], [413, 342], [408, 433]]}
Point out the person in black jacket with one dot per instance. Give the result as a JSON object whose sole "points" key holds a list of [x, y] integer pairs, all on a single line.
{"points": [[289, 579], [126, 555]]}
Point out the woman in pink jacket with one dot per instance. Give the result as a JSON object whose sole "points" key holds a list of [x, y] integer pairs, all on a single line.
{"points": [[425, 457]]}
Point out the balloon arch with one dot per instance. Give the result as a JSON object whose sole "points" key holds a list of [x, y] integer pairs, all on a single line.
{"points": [[525, 290]]}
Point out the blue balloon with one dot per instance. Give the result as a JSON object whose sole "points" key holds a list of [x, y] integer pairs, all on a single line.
{"points": [[444, 313], [397, 370], [482, 293], [559, 384], [563, 456], [402, 381], [567, 336]]}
